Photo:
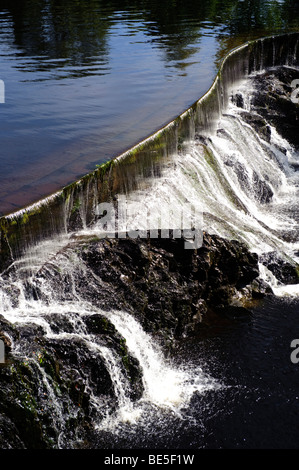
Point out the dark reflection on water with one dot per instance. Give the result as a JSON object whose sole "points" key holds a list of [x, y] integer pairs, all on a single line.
{"points": [[86, 80], [251, 356]]}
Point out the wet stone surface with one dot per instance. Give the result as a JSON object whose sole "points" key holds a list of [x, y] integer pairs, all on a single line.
{"points": [[48, 389]]}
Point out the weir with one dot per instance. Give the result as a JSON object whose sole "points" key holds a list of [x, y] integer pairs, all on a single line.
{"points": [[74, 207], [89, 332]]}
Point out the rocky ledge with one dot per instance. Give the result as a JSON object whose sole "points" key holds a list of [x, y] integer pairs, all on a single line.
{"points": [[276, 100], [46, 388], [273, 101], [165, 286]]}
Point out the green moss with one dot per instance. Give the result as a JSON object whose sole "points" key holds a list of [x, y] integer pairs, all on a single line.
{"points": [[124, 354], [76, 206], [103, 168], [25, 218], [22, 386], [105, 324], [67, 197], [4, 225], [49, 364]]}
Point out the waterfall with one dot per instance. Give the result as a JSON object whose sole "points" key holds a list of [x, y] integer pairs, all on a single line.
{"points": [[74, 207], [243, 184], [166, 385], [242, 180], [47, 316]]}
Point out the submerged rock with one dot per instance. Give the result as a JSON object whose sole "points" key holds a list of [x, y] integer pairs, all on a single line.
{"points": [[261, 189], [238, 100]]}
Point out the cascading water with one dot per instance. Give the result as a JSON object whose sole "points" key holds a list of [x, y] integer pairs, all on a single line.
{"points": [[245, 183], [63, 318], [166, 387]]}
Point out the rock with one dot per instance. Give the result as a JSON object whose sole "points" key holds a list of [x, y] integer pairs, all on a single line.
{"points": [[7, 333], [284, 270], [258, 187], [260, 289], [47, 388], [9, 435], [261, 189], [272, 101], [160, 282], [6, 341], [238, 100], [258, 123], [168, 289]]}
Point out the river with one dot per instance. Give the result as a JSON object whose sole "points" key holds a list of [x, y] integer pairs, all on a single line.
{"points": [[83, 84]]}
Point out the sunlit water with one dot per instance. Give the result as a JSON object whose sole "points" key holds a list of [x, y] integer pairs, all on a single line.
{"points": [[233, 384], [85, 81]]}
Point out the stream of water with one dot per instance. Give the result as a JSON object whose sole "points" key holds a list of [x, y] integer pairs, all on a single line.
{"points": [[238, 387]]}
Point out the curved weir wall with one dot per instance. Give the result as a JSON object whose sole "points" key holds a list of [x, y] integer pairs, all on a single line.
{"points": [[74, 207]]}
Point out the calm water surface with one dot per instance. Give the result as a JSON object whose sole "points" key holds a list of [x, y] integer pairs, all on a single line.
{"points": [[87, 80]]}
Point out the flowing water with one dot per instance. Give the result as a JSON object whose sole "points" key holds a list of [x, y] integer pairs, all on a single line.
{"points": [[235, 384], [85, 81], [168, 385], [238, 386]]}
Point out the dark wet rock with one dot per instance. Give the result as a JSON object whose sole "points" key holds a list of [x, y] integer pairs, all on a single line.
{"points": [[272, 100], [260, 289], [258, 187], [48, 389], [170, 290], [6, 341], [287, 272], [238, 100], [99, 325], [8, 333], [19, 386], [259, 124], [9, 439], [240, 171], [158, 281], [261, 189]]}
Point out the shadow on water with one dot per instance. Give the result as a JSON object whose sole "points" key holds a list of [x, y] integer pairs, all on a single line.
{"points": [[251, 356]]}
